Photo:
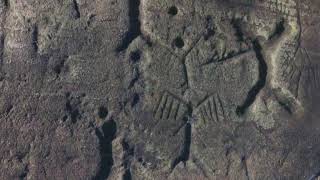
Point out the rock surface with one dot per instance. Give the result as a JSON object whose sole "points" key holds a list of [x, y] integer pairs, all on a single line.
{"points": [[159, 89]]}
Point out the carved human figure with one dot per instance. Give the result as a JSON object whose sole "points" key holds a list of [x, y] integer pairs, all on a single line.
{"points": [[207, 61]]}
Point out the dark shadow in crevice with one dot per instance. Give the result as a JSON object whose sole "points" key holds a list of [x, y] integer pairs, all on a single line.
{"points": [[315, 176], [35, 33], [9, 109], [185, 152], [58, 68], [236, 24], [73, 112], [279, 29], [210, 32], [135, 99], [263, 71], [285, 106], [178, 42], [105, 137], [76, 8], [245, 166], [134, 25], [2, 45], [135, 56], [127, 175], [128, 155], [173, 10], [6, 3], [103, 112]]}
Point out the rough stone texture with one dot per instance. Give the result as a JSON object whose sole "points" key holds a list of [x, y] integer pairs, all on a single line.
{"points": [[159, 89]]}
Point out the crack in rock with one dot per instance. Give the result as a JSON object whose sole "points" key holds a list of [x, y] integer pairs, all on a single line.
{"points": [[185, 152], [134, 25], [106, 135]]}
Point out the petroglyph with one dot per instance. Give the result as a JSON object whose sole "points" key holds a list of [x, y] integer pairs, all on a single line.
{"points": [[159, 89]]}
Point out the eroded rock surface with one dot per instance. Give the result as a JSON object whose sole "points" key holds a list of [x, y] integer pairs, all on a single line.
{"points": [[159, 89]]}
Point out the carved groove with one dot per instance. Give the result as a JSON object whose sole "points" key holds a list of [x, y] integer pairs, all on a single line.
{"points": [[134, 25], [6, 3], [263, 70], [76, 8], [35, 33], [128, 154], [245, 166], [185, 152], [105, 137], [169, 107], [212, 109]]}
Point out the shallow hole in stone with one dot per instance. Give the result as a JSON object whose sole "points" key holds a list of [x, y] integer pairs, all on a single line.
{"points": [[135, 100], [135, 56], [64, 118], [178, 42], [173, 10], [9, 108], [103, 112]]}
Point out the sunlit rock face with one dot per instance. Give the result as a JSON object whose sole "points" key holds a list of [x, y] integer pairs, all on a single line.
{"points": [[159, 89]]}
